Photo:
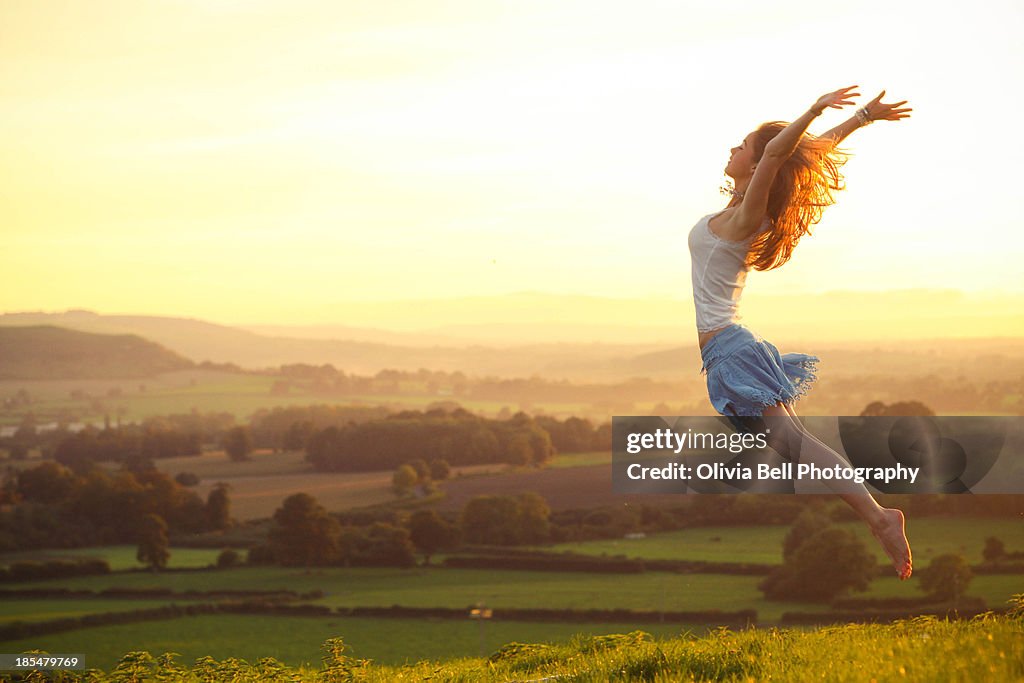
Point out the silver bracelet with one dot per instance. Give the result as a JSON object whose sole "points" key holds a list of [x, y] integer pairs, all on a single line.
{"points": [[863, 116]]}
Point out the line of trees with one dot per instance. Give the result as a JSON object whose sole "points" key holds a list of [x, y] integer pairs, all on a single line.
{"points": [[155, 437], [459, 438], [949, 392], [309, 427], [305, 534], [51, 505]]}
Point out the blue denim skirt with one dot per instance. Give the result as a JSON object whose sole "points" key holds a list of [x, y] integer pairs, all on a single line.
{"points": [[746, 373]]}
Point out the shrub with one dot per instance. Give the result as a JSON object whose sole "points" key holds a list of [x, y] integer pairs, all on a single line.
{"points": [[187, 478], [829, 562], [946, 577], [227, 558]]}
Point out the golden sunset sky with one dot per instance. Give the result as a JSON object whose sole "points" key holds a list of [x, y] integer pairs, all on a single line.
{"points": [[247, 161]]}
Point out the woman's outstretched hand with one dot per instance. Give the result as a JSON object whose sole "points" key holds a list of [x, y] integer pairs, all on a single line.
{"points": [[880, 111], [836, 100]]}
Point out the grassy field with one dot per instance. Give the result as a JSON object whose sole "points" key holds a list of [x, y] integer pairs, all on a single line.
{"points": [[296, 640], [257, 496], [119, 557], [996, 589], [456, 588], [260, 484], [47, 609], [214, 391], [929, 537], [990, 649], [581, 459], [216, 465]]}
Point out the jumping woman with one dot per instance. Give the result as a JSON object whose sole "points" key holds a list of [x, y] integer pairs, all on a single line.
{"points": [[782, 180]]}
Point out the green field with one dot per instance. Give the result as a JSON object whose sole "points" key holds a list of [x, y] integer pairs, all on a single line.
{"points": [[929, 537], [989, 649], [215, 391], [996, 589], [214, 465], [456, 588], [296, 640], [61, 608], [119, 557], [439, 587], [581, 459]]}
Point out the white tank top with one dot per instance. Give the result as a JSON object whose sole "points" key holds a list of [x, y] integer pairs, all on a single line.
{"points": [[719, 272]]}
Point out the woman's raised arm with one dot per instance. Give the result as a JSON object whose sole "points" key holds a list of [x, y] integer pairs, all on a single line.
{"points": [[748, 215], [875, 110]]}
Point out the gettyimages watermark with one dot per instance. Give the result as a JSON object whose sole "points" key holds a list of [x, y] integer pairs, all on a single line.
{"points": [[935, 454]]}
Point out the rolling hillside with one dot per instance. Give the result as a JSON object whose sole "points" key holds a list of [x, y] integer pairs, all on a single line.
{"points": [[49, 352]]}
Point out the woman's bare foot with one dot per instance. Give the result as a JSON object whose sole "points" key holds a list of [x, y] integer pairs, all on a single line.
{"points": [[891, 534]]}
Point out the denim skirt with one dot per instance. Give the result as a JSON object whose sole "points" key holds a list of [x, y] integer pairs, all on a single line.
{"points": [[746, 373]]}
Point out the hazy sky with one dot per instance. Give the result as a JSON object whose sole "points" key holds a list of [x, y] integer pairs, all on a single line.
{"points": [[255, 161]]}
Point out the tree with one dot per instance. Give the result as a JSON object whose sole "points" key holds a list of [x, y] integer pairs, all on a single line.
{"points": [[540, 444], [47, 483], [519, 452], [237, 443], [297, 435], [218, 507], [534, 518], [187, 478], [304, 534], [908, 408], [390, 546], [153, 542], [828, 563], [809, 522], [490, 519], [504, 520], [404, 479], [873, 409], [946, 577], [994, 550], [421, 468], [440, 469], [898, 409], [228, 558], [430, 533]]}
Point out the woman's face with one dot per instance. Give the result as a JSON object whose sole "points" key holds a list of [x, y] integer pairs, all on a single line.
{"points": [[741, 161]]}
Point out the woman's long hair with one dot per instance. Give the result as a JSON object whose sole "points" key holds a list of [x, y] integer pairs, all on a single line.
{"points": [[799, 195]]}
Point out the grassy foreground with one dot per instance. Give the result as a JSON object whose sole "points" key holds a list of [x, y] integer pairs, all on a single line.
{"points": [[988, 648], [296, 641]]}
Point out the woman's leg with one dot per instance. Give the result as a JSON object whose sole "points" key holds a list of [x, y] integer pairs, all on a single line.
{"points": [[887, 524]]}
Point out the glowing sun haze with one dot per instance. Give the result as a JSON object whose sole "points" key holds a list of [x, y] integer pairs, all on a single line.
{"points": [[267, 161]]}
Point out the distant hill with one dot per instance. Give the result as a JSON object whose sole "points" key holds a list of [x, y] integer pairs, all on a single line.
{"points": [[366, 351], [205, 341], [50, 352]]}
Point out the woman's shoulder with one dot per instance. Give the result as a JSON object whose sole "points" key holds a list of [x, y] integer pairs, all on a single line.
{"points": [[721, 226]]}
